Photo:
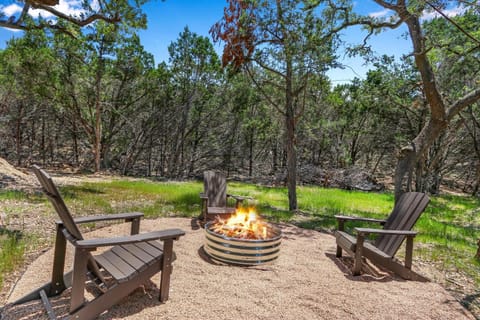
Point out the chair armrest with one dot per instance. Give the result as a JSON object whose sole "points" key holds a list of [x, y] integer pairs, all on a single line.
{"points": [[203, 196], [239, 198], [350, 218], [106, 217], [366, 231], [167, 234]]}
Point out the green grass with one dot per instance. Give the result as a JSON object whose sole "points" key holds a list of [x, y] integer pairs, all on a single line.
{"points": [[12, 249], [12, 195], [448, 230], [153, 199]]}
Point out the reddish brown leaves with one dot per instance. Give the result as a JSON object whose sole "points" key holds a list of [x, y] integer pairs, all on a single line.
{"points": [[237, 30]]}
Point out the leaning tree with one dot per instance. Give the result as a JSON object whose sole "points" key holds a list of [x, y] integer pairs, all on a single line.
{"points": [[443, 105]]}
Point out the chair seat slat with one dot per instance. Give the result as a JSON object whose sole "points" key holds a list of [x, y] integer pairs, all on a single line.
{"points": [[148, 248], [116, 266], [126, 256]]}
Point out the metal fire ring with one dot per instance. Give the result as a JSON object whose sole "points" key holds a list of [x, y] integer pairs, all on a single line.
{"points": [[246, 252]]}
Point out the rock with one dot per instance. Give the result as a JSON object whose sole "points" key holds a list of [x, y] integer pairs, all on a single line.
{"points": [[357, 179]]}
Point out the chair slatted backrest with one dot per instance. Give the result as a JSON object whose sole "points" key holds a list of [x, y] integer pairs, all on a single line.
{"points": [[403, 217], [55, 198], [215, 188]]}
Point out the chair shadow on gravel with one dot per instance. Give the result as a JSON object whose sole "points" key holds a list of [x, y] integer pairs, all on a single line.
{"points": [[143, 297], [369, 272]]}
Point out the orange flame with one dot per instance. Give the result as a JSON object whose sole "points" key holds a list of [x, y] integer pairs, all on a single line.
{"points": [[244, 224]]}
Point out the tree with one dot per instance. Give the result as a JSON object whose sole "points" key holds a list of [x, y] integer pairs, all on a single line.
{"points": [[289, 42], [196, 73], [443, 106], [29, 78]]}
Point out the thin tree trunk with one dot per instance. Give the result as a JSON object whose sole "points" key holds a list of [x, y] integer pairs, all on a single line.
{"points": [[290, 141], [75, 141], [98, 123]]}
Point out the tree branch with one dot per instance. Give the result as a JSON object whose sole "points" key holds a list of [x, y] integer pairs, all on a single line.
{"points": [[453, 22], [19, 23], [463, 102], [79, 22], [265, 95]]}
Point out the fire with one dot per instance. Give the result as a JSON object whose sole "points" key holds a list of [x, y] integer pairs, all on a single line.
{"points": [[244, 224]]}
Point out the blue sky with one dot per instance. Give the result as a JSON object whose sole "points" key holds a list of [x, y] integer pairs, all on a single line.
{"points": [[166, 19]]}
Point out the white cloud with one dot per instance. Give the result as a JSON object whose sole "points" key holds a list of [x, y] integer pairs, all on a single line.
{"points": [[380, 14], [452, 12], [11, 9]]}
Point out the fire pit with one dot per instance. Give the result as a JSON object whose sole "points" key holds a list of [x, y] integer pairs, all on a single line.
{"points": [[243, 239]]}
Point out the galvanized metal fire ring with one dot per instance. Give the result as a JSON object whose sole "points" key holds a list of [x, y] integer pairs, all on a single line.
{"points": [[245, 252]]}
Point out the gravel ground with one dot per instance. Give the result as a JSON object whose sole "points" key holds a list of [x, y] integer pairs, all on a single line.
{"points": [[306, 282]]}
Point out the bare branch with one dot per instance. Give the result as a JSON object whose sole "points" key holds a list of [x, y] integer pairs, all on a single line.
{"points": [[19, 23], [78, 22]]}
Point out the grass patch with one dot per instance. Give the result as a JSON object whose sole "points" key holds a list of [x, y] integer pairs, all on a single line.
{"points": [[151, 198], [12, 195], [12, 249]]}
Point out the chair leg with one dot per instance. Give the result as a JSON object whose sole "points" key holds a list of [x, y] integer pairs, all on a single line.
{"points": [[58, 284], [79, 277], [205, 210], [166, 270], [339, 252], [341, 227], [357, 265], [135, 226], [409, 253]]}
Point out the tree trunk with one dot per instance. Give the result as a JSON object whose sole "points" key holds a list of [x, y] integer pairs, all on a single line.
{"points": [[410, 155], [75, 142], [290, 141], [438, 118], [97, 145], [250, 153]]}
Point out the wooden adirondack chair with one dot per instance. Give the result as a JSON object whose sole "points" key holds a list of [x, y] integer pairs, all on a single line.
{"points": [[131, 260], [396, 228], [214, 196]]}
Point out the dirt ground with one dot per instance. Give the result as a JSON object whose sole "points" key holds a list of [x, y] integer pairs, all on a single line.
{"points": [[305, 282]]}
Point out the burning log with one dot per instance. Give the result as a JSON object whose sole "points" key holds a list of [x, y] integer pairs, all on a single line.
{"points": [[243, 225]]}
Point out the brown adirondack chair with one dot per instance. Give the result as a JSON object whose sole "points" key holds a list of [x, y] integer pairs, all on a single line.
{"points": [[396, 228], [130, 260], [214, 196]]}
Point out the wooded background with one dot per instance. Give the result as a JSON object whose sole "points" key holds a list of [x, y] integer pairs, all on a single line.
{"points": [[93, 98]]}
